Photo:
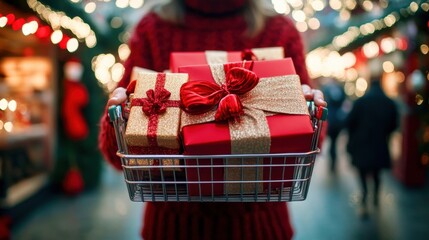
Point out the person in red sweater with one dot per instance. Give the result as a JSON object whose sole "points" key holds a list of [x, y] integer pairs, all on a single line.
{"points": [[199, 25]]}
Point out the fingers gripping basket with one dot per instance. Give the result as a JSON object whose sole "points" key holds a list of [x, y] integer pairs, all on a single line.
{"points": [[168, 182]]}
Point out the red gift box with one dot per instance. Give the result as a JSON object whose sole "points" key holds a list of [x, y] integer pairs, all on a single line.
{"points": [[287, 133], [179, 59]]}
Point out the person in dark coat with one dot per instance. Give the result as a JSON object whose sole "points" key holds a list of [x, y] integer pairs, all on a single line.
{"points": [[370, 123], [335, 97]]}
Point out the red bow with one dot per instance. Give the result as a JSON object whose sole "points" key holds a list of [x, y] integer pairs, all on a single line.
{"points": [[156, 102], [198, 97], [247, 54]]}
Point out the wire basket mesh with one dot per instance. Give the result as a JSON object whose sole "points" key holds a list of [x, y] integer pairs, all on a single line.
{"points": [[279, 177]]}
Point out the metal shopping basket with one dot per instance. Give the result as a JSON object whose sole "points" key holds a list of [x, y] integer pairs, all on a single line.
{"points": [[169, 182]]}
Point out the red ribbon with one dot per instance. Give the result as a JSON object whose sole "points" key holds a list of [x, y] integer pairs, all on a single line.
{"points": [[155, 104], [248, 55], [131, 87], [198, 97]]}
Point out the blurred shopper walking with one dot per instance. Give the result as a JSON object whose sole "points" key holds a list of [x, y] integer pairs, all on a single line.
{"points": [[335, 97], [370, 122]]}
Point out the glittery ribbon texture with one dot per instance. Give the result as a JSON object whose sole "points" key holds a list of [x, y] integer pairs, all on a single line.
{"points": [[153, 124], [249, 100]]}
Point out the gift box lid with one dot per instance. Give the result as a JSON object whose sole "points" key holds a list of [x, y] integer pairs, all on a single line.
{"points": [[179, 59]]}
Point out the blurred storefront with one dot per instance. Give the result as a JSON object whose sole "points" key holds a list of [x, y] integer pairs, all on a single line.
{"points": [[36, 153], [27, 110]]}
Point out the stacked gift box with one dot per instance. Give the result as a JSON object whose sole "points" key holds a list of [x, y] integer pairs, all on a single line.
{"points": [[232, 107]]}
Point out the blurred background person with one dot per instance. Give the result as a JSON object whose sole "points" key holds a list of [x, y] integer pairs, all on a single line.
{"points": [[370, 123], [335, 97]]}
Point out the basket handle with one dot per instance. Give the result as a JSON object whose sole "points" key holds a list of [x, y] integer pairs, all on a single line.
{"points": [[317, 112], [115, 112], [321, 113]]}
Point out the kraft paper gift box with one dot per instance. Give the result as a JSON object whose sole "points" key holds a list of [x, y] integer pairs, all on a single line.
{"points": [[282, 126], [180, 59], [154, 118]]}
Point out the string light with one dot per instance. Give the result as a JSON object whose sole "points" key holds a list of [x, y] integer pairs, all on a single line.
{"points": [[72, 45], [8, 126], [388, 45], [56, 36], [3, 104], [388, 66], [320, 62], [122, 3], [3, 21], [90, 7], [123, 51], [59, 20], [32, 26], [424, 49], [108, 69], [136, 3]]}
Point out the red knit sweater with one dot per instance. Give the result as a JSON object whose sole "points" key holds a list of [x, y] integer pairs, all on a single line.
{"points": [[151, 44]]}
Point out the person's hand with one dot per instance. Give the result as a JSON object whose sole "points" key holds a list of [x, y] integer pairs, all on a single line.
{"points": [[117, 97], [314, 95]]}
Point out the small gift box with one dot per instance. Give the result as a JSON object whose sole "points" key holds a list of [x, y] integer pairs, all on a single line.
{"points": [[154, 118], [268, 114], [179, 59]]}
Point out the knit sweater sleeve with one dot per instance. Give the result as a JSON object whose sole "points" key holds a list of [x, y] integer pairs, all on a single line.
{"points": [[140, 48], [291, 40], [139, 56]]}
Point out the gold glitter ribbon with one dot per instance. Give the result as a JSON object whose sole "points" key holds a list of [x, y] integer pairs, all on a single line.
{"points": [[279, 94]]}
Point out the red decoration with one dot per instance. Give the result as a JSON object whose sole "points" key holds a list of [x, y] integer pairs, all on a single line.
{"points": [[73, 182], [43, 32], [10, 18], [76, 97], [17, 25], [28, 51], [63, 43], [200, 96], [5, 227], [401, 43]]}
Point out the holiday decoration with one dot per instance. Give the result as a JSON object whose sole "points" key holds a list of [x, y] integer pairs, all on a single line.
{"points": [[5, 227], [73, 182], [75, 99]]}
